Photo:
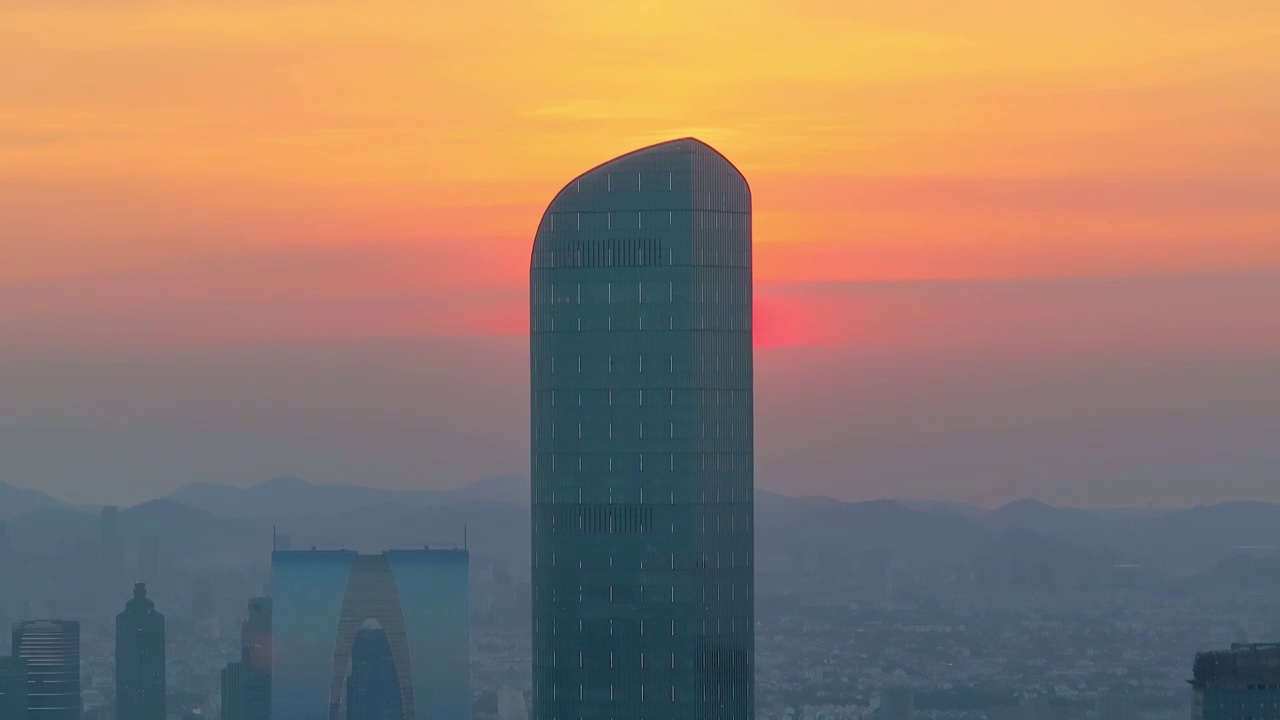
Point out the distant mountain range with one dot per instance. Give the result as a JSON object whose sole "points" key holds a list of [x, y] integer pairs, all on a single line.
{"points": [[291, 496], [15, 501], [226, 522]]}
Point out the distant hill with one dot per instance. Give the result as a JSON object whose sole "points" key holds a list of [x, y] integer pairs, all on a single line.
{"points": [[216, 522], [493, 531], [52, 528], [288, 496], [1082, 527], [804, 527], [506, 488], [1200, 536], [15, 501], [195, 535]]}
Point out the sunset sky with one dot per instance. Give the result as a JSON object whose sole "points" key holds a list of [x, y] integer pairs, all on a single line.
{"points": [[1003, 248]]}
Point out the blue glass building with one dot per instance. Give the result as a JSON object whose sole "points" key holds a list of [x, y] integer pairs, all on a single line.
{"points": [[642, 441], [321, 601]]}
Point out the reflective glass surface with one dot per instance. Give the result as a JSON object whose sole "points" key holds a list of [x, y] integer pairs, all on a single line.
{"points": [[642, 450]]}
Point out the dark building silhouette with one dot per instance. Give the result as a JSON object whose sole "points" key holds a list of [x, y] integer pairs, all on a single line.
{"points": [[373, 691], [1242, 683], [235, 682], [642, 441], [13, 688], [322, 599], [255, 658], [149, 560], [50, 650], [140, 684]]}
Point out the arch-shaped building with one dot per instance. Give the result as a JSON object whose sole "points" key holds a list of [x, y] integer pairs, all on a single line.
{"points": [[323, 598], [642, 441]]}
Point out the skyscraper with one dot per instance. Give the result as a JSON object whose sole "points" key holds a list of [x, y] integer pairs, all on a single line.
{"points": [[50, 649], [642, 441], [1242, 683], [140, 657], [373, 691], [255, 657], [246, 683], [321, 601], [13, 688], [234, 691]]}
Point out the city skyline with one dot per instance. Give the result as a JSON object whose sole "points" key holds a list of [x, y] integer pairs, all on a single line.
{"points": [[640, 360], [140, 659]]}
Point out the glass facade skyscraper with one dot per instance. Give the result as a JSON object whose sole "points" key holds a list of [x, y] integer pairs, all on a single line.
{"points": [[235, 684], [322, 599], [50, 650], [642, 441], [140, 685]]}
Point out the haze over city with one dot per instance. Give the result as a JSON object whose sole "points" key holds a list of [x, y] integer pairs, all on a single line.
{"points": [[622, 360]]}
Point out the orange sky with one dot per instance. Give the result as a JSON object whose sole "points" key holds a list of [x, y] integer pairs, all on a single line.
{"points": [[922, 138], [986, 219]]}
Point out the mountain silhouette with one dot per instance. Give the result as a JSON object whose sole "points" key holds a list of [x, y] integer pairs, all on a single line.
{"points": [[223, 523], [15, 501]]}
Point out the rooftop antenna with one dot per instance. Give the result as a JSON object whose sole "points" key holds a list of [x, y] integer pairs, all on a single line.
{"points": [[273, 538], [464, 536]]}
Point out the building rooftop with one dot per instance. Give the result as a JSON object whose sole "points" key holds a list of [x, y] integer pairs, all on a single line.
{"points": [[1241, 666]]}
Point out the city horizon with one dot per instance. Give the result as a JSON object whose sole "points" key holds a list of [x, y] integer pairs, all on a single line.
{"points": [[446, 492], [640, 360]]}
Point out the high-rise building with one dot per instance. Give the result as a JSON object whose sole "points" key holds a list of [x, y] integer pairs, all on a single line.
{"points": [[1242, 683], [373, 691], [140, 685], [235, 685], [13, 688], [642, 441], [255, 657], [323, 598], [50, 649]]}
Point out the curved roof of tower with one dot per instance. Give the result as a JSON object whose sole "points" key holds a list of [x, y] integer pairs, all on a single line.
{"points": [[680, 146]]}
